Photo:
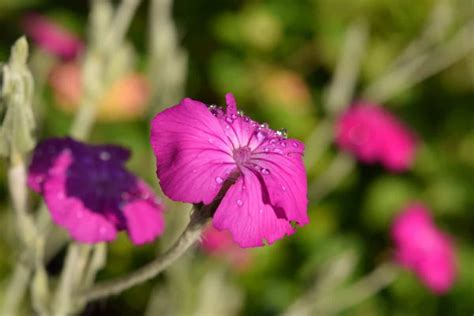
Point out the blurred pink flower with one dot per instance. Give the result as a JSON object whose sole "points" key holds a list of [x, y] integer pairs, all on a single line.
{"points": [[424, 249], [89, 192], [201, 152], [52, 37], [220, 244], [125, 99], [373, 134]]}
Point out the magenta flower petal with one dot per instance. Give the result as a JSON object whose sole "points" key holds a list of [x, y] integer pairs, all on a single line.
{"points": [[70, 212], [285, 178], [90, 193], [424, 249], [191, 149], [373, 134], [244, 213], [199, 150], [144, 224], [52, 37]]}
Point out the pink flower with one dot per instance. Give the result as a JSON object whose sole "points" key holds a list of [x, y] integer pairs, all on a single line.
{"points": [[89, 192], [424, 249], [52, 37], [374, 135], [201, 152], [220, 244]]}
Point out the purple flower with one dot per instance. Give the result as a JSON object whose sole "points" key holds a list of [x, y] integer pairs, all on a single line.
{"points": [[374, 135], [89, 192], [52, 37], [424, 249], [203, 151]]}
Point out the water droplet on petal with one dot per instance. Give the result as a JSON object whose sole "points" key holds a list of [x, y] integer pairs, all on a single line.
{"points": [[283, 188], [266, 149], [265, 171], [240, 202], [295, 144], [278, 151], [240, 113], [282, 132], [227, 126], [233, 116], [260, 210], [261, 135], [246, 119], [244, 187], [219, 180], [229, 120], [104, 156], [210, 140], [264, 125], [283, 144]]}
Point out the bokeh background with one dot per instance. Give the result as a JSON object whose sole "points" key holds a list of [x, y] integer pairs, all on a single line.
{"points": [[279, 58]]}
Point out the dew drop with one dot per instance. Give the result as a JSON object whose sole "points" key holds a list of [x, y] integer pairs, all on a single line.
{"points": [[240, 202], [283, 188], [219, 180], [266, 149], [233, 116], [104, 156], [227, 126], [282, 132], [261, 135], [210, 140], [264, 125], [260, 210], [295, 144], [265, 171], [283, 144], [241, 113], [229, 120]]}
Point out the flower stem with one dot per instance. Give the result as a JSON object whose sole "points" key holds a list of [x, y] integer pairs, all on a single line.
{"points": [[190, 235], [16, 289]]}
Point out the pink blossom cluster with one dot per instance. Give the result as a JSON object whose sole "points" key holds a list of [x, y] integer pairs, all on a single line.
{"points": [[423, 248], [373, 134]]}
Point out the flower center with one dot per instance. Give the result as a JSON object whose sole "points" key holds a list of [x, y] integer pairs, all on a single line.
{"points": [[242, 155]]}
